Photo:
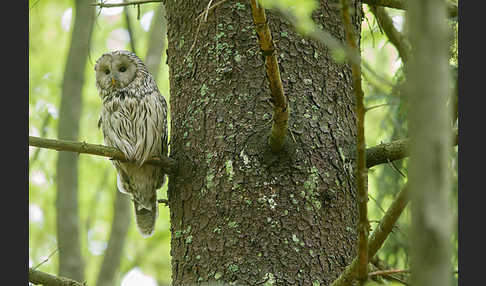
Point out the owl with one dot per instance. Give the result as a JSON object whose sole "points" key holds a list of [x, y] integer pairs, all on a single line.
{"points": [[133, 119]]}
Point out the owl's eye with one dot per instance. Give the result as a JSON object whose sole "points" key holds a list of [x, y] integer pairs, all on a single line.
{"points": [[122, 69], [107, 71]]}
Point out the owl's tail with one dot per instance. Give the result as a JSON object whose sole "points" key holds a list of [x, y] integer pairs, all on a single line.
{"points": [[145, 217]]}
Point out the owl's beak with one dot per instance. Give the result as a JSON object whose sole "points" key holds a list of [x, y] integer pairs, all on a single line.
{"points": [[113, 80]]}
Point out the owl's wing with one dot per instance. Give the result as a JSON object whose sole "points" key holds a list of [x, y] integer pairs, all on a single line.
{"points": [[165, 136]]}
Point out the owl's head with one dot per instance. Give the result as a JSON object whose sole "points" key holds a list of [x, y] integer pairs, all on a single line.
{"points": [[116, 70]]}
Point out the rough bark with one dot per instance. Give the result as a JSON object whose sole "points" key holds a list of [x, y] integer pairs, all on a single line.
{"points": [[430, 140], [70, 260], [240, 213]]}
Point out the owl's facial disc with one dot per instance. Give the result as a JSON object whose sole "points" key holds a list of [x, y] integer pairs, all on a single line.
{"points": [[123, 70], [115, 71]]}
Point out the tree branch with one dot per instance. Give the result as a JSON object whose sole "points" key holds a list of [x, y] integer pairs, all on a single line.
{"points": [[377, 237], [375, 155], [41, 278], [392, 151], [388, 272], [281, 111], [361, 170], [401, 4], [127, 3], [167, 164], [395, 37]]}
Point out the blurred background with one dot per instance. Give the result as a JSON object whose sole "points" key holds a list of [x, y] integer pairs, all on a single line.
{"points": [[146, 262]]}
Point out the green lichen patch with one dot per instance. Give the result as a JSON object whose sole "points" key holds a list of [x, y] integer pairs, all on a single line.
{"points": [[189, 239], [240, 6], [209, 179], [229, 169], [269, 279], [232, 224], [204, 89], [218, 275], [295, 238], [310, 189], [233, 268]]}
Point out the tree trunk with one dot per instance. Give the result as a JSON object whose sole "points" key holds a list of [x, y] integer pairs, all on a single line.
{"points": [[114, 250], [431, 135], [71, 264], [156, 41], [240, 213]]}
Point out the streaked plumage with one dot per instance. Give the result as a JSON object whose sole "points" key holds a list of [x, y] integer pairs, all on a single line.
{"points": [[133, 119]]}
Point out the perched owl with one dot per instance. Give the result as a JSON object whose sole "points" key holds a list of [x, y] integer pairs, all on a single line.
{"points": [[134, 120]]}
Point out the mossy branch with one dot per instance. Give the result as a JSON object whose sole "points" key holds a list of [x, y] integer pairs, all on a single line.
{"points": [[392, 151], [37, 277], [281, 112], [361, 170], [377, 237], [375, 155], [402, 4], [167, 164]]}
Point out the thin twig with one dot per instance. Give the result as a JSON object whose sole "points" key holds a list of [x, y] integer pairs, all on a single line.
{"points": [[376, 202], [361, 170], [33, 5], [281, 112], [376, 106], [394, 167], [110, 5], [167, 164], [381, 265], [206, 11], [45, 260]]}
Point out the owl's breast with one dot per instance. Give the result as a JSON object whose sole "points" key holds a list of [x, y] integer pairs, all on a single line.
{"points": [[133, 126]]}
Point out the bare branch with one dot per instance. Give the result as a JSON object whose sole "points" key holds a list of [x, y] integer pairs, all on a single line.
{"points": [[377, 237], [401, 4], [281, 112], [395, 150], [41, 278], [395, 37], [127, 3], [361, 170], [388, 271], [45, 260], [168, 165]]}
